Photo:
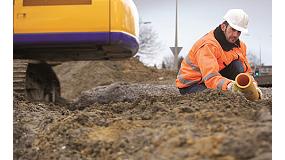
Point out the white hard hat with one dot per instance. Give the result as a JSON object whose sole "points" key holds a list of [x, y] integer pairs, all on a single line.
{"points": [[237, 19]]}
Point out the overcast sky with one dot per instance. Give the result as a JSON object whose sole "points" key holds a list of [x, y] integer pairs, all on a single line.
{"points": [[197, 17]]}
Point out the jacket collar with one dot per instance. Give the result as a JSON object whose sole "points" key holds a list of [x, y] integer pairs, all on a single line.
{"points": [[221, 38]]}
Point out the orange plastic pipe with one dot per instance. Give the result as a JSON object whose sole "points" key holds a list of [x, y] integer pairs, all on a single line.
{"points": [[244, 84]]}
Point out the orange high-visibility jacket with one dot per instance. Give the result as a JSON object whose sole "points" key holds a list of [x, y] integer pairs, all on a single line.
{"points": [[205, 60]]}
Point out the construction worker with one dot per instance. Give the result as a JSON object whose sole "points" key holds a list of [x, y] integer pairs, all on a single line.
{"points": [[217, 58]]}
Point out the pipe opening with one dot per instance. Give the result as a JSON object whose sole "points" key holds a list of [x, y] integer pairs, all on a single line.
{"points": [[243, 80]]}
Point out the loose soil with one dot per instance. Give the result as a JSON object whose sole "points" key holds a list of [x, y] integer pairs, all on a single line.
{"points": [[124, 110]]}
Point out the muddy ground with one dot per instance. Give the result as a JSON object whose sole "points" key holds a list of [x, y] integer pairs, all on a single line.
{"points": [[129, 111]]}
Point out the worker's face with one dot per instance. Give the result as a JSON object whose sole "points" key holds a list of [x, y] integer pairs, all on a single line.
{"points": [[232, 35]]}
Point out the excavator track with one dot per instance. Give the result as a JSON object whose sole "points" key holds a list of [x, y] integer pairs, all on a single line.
{"points": [[19, 76], [36, 80]]}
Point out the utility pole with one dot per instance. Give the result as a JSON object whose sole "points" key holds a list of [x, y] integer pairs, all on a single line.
{"points": [[176, 43], [175, 50]]}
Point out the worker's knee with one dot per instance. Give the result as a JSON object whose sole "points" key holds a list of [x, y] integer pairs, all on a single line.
{"points": [[232, 70]]}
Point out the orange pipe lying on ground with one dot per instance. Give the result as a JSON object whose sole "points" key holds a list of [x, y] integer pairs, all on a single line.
{"points": [[244, 84]]}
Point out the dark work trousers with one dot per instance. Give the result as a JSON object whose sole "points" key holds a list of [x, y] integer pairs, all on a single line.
{"points": [[230, 72]]}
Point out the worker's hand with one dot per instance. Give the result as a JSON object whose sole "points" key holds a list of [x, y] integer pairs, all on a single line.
{"points": [[232, 87], [258, 90]]}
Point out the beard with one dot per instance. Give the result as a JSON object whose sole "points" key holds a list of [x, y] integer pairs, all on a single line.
{"points": [[232, 39]]}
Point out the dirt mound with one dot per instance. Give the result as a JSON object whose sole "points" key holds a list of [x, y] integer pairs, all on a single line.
{"points": [[206, 125], [122, 92], [124, 110], [79, 76]]}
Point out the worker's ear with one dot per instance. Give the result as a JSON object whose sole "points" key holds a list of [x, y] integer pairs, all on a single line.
{"points": [[223, 27]]}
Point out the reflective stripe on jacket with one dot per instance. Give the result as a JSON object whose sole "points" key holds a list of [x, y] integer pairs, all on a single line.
{"points": [[205, 60]]}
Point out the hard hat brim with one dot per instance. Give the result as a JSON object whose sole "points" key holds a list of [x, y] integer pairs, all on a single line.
{"points": [[244, 30]]}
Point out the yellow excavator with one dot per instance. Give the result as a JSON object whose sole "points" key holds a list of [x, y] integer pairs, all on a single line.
{"points": [[53, 31]]}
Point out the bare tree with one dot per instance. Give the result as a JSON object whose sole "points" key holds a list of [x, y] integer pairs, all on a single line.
{"points": [[252, 58], [148, 41], [168, 62], [163, 66]]}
